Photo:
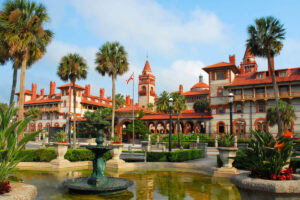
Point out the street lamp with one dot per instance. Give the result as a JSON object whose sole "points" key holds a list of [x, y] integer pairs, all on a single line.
{"points": [[230, 100], [170, 126]]}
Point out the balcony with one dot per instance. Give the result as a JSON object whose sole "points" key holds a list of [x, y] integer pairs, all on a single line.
{"points": [[284, 95], [259, 96], [238, 97], [48, 109], [296, 94], [248, 96]]}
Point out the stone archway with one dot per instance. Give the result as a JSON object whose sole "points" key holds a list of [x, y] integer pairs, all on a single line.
{"points": [[188, 127], [160, 127], [40, 126], [124, 136], [152, 127]]}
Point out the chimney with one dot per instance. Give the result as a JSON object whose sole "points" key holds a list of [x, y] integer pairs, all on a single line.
{"points": [[180, 89], [52, 88], [42, 92], [102, 92], [127, 101], [200, 78], [33, 89], [232, 59], [131, 102], [109, 98], [87, 91]]}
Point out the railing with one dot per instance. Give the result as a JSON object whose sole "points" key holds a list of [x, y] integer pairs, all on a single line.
{"points": [[271, 95], [296, 94], [284, 95], [260, 96], [51, 109], [237, 97], [248, 96]]}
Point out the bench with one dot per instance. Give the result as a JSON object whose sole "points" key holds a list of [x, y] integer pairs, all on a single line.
{"points": [[134, 156]]}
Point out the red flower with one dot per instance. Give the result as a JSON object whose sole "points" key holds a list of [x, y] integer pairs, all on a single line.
{"points": [[288, 134], [64, 141], [273, 176]]}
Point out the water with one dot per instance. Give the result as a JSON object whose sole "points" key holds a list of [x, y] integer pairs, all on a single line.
{"points": [[148, 184]]}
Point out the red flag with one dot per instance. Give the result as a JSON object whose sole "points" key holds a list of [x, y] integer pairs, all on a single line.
{"points": [[130, 78]]}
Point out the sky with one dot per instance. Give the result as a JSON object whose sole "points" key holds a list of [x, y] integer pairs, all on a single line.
{"points": [[178, 37]]}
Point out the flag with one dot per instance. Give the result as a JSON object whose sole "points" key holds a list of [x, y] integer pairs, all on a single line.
{"points": [[130, 78]]}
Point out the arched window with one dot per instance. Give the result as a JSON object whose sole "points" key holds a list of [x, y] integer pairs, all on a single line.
{"points": [[239, 126], [144, 88], [65, 103], [220, 92], [151, 88], [56, 124], [261, 125], [221, 127], [48, 116], [238, 108]]}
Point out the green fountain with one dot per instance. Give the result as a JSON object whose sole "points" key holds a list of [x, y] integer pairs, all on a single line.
{"points": [[98, 183]]}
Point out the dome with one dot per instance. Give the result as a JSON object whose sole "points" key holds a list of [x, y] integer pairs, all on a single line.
{"points": [[200, 85]]}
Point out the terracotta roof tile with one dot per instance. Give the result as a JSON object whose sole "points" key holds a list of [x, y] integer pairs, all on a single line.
{"points": [[221, 65], [42, 101], [191, 115], [70, 84], [200, 85], [95, 103], [147, 67], [202, 92]]}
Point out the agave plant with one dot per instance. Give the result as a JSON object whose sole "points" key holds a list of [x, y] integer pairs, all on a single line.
{"points": [[10, 130], [266, 155]]}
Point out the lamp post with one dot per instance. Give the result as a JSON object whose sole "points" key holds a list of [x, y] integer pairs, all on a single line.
{"points": [[170, 126], [230, 99]]}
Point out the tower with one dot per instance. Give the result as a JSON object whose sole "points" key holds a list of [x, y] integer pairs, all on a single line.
{"points": [[249, 64], [146, 86]]}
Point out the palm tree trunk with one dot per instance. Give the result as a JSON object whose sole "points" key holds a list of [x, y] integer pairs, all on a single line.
{"points": [[113, 105], [275, 87], [74, 120], [178, 131], [22, 92], [14, 83]]}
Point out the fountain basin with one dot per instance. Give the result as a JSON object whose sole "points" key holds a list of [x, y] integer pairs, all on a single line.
{"points": [[110, 187]]}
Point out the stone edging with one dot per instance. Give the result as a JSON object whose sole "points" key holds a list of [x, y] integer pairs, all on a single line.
{"points": [[243, 181], [20, 191]]}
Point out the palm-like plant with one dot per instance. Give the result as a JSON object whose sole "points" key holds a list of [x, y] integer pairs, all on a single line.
{"points": [[179, 106], [162, 105], [150, 106], [111, 60], [21, 28], [72, 67], [287, 115], [265, 40], [120, 101]]}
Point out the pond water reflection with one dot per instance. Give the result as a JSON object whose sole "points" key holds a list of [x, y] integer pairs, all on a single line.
{"points": [[148, 184]]}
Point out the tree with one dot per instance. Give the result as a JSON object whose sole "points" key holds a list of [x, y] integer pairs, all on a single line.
{"points": [[150, 106], [140, 129], [21, 27], [287, 115], [120, 101], [265, 40], [200, 106], [72, 67], [111, 60], [162, 105], [179, 106]]}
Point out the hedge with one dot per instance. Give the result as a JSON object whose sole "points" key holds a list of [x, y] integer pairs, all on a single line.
{"points": [[48, 154], [174, 156]]}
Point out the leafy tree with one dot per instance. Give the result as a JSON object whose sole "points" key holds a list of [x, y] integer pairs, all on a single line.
{"points": [[140, 129], [87, 127], [162, 105], [10, 130], [287, 115], [111, 60], [265, 40], [72, 67], [22, 31], [200, 106], [150, 106], [179, 106], [120, 101]]}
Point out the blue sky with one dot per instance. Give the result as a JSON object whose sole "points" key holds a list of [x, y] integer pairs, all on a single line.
{"points": [[179, 37]]}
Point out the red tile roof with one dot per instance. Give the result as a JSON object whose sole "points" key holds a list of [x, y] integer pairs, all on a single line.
{"points": [[200, 85], [70, 84], [201, 92], [136, 108], [293, 74], [147, 67], [26, 92], [95, 103], [43, 101], [221, 65]]}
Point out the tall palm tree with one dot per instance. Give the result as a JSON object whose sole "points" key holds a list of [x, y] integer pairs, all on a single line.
{"points": [[179, 106], [21, 27], [265, 40], [72, 67], [162, 105], [111, 59]]}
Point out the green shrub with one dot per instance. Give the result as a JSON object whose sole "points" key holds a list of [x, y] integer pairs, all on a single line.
{"points": [[157, 156], [174, 156]]}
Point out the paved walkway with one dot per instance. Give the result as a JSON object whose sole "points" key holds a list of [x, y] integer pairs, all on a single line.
{"points": [[210, 160]]}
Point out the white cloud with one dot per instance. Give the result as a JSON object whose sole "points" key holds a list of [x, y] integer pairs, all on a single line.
{"points": [[146, 24], [185, 72]]}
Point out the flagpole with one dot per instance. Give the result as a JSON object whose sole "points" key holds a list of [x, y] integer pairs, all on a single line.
{"points": [[133, 111]]}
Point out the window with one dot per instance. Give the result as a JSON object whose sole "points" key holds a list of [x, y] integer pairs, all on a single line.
{"points": [[238, 92], [65, 103], [221, 127], [260, 90], [261, 126], [62, 92], [56, 116], [282, 73], [261, 107], [239, 127], [220, 92], [48, 116], [221, 109], [239, 108], [144, 88], [220, 75], [260, 75]]}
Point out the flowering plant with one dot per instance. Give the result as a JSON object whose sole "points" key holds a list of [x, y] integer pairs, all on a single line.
{"points": [[267, 156], [116, 140], [226, 140], [5, 186], [60, 137]]}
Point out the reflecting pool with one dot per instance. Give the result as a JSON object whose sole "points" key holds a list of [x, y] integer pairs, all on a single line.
{"points": [[148, 184]]}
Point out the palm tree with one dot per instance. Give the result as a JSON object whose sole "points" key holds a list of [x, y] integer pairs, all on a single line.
{"points": [[162, 105], [111, 59], [265, 40], [72, 67], [287, 115], [120, 101], [21, 27], [150, 106], [179, 106]]}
